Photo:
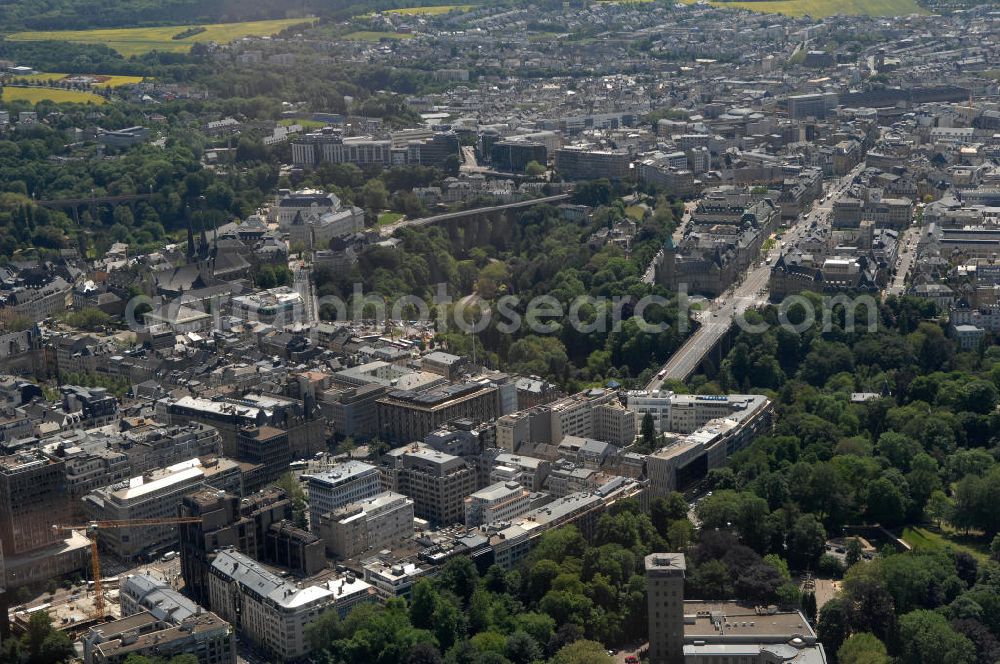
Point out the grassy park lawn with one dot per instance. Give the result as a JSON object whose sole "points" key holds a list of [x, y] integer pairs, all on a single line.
{"points": [[136, 41], [386, 218], [927, 538], [636, 213], [37, 94]]}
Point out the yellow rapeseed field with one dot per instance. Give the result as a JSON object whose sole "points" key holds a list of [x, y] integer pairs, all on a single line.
{"points": [[57, 95], [107, 81], [136, 41]]}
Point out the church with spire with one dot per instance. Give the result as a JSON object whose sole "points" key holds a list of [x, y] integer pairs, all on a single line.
{"points": [[206, 268]]}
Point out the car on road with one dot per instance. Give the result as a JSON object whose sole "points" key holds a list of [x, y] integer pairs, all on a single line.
{"points": [[631, 659]]}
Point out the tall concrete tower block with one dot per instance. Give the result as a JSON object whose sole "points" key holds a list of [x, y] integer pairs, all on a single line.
{"points": [[665, 589]]}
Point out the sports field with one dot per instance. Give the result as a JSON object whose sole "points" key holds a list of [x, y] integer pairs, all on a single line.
{"points": [[35, 95], [432, 11], [305, 124], [103, 81], [136, 41], [821, 8]]}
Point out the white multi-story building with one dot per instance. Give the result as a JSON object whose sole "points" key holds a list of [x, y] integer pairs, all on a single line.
{"points": [[391, 580], [155, 495], [368, 525], [656, 403], [614, 423], [708, 445], [271, 612], [595, 413], [330, 146], [282, 305], [514, 543], [529, 472], [688, 412], [159, 621], [498, 502], [437, 482], [345, 483]]}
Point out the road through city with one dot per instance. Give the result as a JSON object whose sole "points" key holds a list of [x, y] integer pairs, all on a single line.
{"points": [[750, 291]]}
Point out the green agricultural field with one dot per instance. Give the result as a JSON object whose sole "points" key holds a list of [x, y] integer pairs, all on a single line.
{"points": [[35, 95], [111, 81], [42, 77], [366, 35], [431, 11], [136, 41], [821, 8]]}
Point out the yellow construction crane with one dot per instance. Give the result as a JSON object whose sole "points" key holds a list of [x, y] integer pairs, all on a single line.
{"points": [[91, 529]]}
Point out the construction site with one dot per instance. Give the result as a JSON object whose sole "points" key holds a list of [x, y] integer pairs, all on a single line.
{"points": [[77, 607]]}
